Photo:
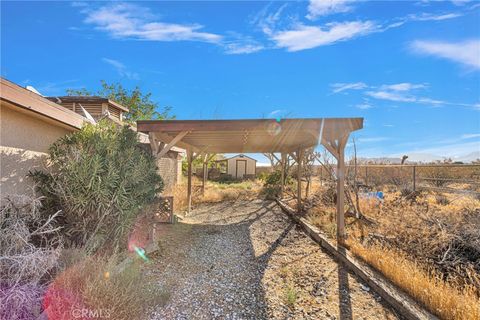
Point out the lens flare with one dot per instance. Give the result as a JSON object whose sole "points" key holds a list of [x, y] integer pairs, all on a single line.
{"points": [[141, 234], [274, 128], [141, 253]]}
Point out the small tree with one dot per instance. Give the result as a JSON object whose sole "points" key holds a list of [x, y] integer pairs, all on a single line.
{"points": [[100, 178], [140, 105]]}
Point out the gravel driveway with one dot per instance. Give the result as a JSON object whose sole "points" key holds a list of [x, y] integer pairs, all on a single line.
{"points": [[247, 260]]}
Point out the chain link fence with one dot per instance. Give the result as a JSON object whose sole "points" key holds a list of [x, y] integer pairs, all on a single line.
{"points": [[450, 178]]}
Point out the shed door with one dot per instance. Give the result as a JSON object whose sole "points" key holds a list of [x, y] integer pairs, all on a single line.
{"points": [[241, 168]]}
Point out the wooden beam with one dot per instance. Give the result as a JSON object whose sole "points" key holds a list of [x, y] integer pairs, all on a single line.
{"points": [[199, 153], [171, 144], [341, 189], [153, 143], [189, 179], [276, 158], [331, 147], [294, 157], [167, 138], [211, 157]]}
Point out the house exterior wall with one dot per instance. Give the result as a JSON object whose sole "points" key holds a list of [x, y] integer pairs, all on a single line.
{"points": [[232, 166], [24, 141]]}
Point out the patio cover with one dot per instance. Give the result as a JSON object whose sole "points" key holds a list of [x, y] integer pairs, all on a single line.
{"points": [[285, 136], [249, 136]]}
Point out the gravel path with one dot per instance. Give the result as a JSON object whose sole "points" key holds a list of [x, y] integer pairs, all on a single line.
{"points": [[247, 260]]}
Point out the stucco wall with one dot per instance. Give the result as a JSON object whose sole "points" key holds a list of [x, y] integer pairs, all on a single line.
{"points": [[24, 141]]}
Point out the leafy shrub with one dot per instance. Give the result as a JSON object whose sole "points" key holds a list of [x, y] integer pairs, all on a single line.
{"points": [[262, 176], [100, 178], [29, 249], [272, 183], [226, 178]]}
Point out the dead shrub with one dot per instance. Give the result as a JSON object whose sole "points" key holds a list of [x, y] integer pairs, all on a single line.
{"points": [[29, 248], [442, 199]]}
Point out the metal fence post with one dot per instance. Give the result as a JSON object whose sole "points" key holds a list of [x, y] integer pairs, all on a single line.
{"points": [[366, 175], [414, 182]]}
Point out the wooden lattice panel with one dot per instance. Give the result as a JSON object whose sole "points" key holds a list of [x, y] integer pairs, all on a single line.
{"points": [[163, 209]]}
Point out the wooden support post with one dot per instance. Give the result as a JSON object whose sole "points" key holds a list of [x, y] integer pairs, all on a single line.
{"points": [[282, 177], [299, 180], [321, 176], [341, 190], [205, 172], [189, 176]]}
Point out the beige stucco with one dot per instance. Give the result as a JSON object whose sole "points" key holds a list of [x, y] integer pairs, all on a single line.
{"points": [[24, 140]]}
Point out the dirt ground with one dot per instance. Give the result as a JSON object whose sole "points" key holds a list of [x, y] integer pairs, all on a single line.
{"points": [[247, 260]]}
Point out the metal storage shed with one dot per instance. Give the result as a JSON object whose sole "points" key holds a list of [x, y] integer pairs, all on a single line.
{"points": [[241, 166]]}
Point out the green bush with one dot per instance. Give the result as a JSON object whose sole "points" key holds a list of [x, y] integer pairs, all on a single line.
{"points": [[100, 178], [272, 183]]}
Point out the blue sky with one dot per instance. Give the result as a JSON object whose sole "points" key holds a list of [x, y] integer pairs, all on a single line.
{"points": [[410, 68]]}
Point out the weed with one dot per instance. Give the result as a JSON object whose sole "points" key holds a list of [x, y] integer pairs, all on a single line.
{"points": [[291, 296]]}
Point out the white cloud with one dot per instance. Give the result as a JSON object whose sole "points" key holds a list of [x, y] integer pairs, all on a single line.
{"points": [[453, 150], [466, 52], [404, 86], [238, 48], [267, 21], [242, 45], [364, 106], [398, 92], [401, 96], [77, 4], [433, 17], [121, 69], [317, 8], [372, 139], [130, 21], [392, 96], [460, 2], [470, 136], [339, 87], [306, 37]]}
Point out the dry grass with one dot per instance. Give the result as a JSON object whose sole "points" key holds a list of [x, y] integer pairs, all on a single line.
{"points": [[441, 297], [214, 192], [96, 286], [428, 246]]}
